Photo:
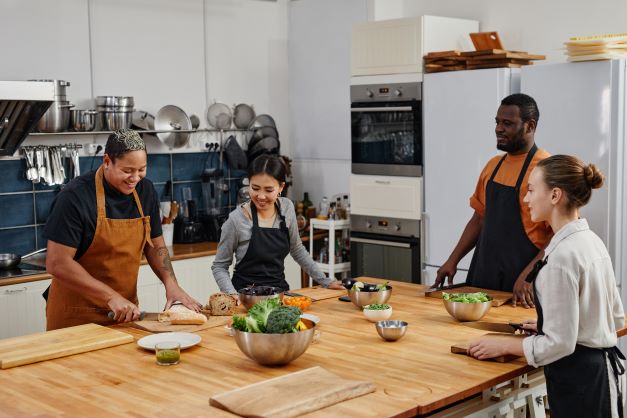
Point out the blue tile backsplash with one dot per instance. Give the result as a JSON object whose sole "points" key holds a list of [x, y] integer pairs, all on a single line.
{"points": [[24, 206]]}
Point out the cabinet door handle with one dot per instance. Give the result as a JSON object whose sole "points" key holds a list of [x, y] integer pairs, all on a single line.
{"points": [[12, 292]]}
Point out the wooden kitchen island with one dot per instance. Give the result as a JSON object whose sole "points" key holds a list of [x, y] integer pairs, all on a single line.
{"points": [[414, 376]]}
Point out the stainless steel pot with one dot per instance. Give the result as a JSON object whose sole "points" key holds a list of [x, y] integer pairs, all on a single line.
{"points": [[83, 120], [115, 101], [56, 118], [60, 86], [112, 120]]}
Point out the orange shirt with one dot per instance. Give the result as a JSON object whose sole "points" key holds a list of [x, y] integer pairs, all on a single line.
{"points": [[538, 232]]}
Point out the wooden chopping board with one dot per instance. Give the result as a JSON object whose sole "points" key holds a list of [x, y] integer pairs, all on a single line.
{"points": [[320, 293], [156, 326], [462, 348], [498, 297], [309, 390], [48, 345]]}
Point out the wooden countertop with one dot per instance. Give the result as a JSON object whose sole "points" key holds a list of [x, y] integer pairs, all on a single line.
{"points": [[177, 252], [415, 375]]}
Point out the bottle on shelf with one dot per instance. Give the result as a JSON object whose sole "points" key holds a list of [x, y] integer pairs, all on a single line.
{"points": [[324, 251], [306, 204], [301, 221], [340, 212], [347, 207], [338, 252], [324, 208], [332, 214]]}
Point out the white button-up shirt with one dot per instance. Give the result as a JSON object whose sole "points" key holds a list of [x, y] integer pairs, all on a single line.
{"points": [[578, 294]]}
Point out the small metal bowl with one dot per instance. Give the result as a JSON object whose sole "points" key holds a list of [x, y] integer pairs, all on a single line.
{"points": [[391, 330], [363, 297], [251, 295], [463, 311]]}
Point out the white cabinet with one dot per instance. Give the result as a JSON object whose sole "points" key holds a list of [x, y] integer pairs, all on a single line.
{"points": [[22, 309], [397, 46], [292, 273], [332, 226]]}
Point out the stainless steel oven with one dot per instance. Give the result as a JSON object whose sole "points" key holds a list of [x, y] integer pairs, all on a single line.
{"points": [[386, 129], [387, 248]]}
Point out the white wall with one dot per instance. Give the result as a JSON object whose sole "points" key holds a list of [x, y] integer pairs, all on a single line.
{"points": [[184, 52]]}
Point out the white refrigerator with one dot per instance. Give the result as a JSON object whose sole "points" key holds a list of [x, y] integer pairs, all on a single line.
{"points": [[458, 138], [582, 113]]}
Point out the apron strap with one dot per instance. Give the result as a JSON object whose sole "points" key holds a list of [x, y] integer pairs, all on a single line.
{"points": [[100, 195], [531, 277], [496, 169], [614, 354], [145, 219], [521, 176]]}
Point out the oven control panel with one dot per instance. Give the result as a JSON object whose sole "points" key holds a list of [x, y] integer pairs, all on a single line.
{"points": [[385, 226], [386, 92]]}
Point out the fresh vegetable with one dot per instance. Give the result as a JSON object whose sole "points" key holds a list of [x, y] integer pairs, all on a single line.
{"points": [[383, 286], [477, 297], [301, 326], [357, 286], [283, 320], [377, 306], [301, 302], [260, 312]]}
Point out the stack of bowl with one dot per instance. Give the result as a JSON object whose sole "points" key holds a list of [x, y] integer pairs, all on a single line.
{"points": [[115, 112], [253, 294], [57, 117]]}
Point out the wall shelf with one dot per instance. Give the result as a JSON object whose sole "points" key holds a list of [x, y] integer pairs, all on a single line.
{"points": [[141, 131]]}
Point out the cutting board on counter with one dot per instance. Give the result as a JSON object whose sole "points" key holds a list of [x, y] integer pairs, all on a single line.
{"points": [[48, 345], [462, 348], [320, 293], [311, 389], [156, 326], [498, 297]]}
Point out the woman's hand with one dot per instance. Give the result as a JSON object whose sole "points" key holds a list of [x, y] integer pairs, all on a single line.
{"points": [[123, 309], [337, 285], [530, 326], [487, 347]]}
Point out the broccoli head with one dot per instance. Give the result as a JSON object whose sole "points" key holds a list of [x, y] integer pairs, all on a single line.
{"points": [[239, 323], [283, 320], [260, 311]]}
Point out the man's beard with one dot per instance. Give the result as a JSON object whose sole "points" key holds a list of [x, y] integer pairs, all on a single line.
{"points": [[516, 144]]}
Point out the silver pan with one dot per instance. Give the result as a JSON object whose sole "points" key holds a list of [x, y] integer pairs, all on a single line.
{"points": [[9, 260]]}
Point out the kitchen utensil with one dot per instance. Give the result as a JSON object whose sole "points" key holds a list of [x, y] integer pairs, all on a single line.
{"points": [[486, 40], [31, 171], [212, 190], [260, 400], [56, 118], [363, 298], [195, 121], [391, 330], [143, 120], [267, 145], [143, 316], [115, 101], [10, 260], [171, 117], [82, 120], [275, 349], [186, 339], [262, 132], [219, 116], [462, 348], [463, 311], [243, 115], [49, 345], [235, 156], [494, 326], [253, 294], [112, 119], [76, 166], [498, 297], [262, 120]]}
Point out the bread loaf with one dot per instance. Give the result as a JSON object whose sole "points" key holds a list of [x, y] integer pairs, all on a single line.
{"points": [[222, 304], [180, 315]]}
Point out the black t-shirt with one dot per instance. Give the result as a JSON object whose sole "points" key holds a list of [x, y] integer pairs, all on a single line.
{"points": [[73, 214]]}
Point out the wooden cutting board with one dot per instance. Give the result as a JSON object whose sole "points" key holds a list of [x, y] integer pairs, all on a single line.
{"points": [[320, 293], [498, 297], [291, 395], [462, 348], [48, 345], [156, 326]]}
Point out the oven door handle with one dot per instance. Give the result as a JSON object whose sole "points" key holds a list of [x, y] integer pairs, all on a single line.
{"points": [[382, 109], [380, 242]]}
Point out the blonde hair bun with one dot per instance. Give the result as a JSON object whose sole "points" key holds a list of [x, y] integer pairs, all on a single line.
{"points": [[593, 176]]}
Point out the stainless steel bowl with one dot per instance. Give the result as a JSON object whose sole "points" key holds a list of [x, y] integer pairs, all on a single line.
{"points": [[275, 349], [391, 330], [363, 298], [463, 311], [251, 295]]}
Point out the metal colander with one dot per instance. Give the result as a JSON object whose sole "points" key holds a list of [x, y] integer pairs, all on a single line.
{"points": [[220, 116]]}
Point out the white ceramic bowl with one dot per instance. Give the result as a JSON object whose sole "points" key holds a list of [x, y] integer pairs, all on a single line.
{"points": [[374, 315]]}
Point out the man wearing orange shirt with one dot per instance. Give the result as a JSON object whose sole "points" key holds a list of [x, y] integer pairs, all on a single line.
{"points": [[507, 243]]}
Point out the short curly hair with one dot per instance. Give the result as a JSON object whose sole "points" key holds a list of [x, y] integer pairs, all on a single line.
{"points": [[122, 141]]}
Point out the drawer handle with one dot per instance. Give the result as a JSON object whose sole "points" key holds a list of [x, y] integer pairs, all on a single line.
{"points": [[12, 292], [382, 182]]}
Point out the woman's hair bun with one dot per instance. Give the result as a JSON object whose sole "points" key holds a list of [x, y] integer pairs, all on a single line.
{"points": [[593, 176]]}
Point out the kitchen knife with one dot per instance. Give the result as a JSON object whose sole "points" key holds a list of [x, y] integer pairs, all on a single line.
{"points": [[510, 328], [143, 316]]}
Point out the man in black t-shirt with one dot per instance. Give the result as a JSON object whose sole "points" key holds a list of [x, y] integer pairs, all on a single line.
{"points": [[99, 226]]}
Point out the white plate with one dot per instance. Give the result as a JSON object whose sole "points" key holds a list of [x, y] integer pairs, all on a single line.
{"points": [[186, 339], [312, 318]]}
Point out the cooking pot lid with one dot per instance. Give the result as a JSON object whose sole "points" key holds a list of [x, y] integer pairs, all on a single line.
{"points": [[172, 117]]}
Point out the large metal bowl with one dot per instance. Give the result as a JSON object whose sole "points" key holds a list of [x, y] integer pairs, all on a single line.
{"points": [[275, 349], [363, 298], [463, 311], [251, 295], [391, 330]]}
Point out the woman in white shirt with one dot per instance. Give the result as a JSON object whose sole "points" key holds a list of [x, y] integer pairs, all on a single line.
{"points": [[578, 305]]}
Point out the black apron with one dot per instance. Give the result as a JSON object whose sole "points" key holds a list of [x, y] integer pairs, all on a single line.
{"points": [[577, 385], [503, 249], [267, 249]]}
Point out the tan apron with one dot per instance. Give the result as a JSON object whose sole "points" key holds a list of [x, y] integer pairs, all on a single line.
{"points": [[113, 258]]}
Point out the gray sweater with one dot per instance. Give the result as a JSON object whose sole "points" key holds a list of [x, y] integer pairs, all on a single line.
{"points": [[235, 236]]}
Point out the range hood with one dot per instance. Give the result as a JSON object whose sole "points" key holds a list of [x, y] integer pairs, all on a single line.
{"points": [[22, 104]]}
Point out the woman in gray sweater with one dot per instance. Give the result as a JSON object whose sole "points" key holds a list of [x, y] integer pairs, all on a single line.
{"points": [[261, 233]]}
